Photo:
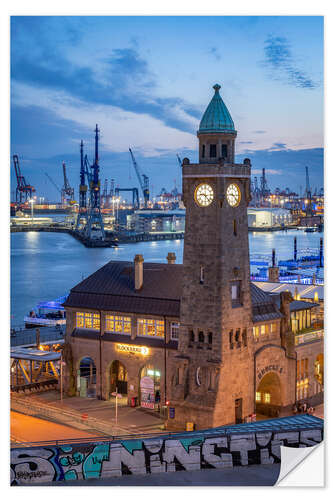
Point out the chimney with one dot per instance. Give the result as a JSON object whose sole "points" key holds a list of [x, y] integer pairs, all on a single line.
{"points": [[171, 258], [138, 271], [273, 274]]}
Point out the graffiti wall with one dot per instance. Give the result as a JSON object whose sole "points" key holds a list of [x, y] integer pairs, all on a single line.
{"points": [[194, 451]]}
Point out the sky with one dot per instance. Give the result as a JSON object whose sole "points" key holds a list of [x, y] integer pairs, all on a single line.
{"points": [[146, 82]]}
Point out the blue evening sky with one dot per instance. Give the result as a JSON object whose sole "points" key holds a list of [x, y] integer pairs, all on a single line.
{"points": [[146, 81]]}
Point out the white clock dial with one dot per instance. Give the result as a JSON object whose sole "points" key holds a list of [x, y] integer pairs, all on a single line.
{"points": [[204, 195], [233, 195]]}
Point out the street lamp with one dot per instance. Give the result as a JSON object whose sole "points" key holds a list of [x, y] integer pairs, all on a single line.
{"points": [[32, 201]]}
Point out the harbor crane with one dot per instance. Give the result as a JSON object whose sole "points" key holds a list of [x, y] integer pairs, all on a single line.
{"points": [[143, 180], [67, 192], [82, 215], [179, 160], [135, 196], [23, 190], [308, 197], [95, 224], [52, 182]]}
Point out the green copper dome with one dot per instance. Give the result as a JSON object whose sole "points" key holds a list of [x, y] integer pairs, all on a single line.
{"points": [[216, 117]]}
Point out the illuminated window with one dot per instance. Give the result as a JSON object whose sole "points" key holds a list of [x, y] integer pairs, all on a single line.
{"points": [[256, 332], [88, 320], [263, 329], [267, 397], [174, 331], [118, 324], [150, 327], [273, 327], [258, 397]]}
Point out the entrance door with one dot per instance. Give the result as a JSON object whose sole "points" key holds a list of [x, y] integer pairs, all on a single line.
{"points": [[239, 411], [118, 378]]}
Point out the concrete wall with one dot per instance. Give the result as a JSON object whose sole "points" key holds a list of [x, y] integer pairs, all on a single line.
{"points": [[191, 451]]}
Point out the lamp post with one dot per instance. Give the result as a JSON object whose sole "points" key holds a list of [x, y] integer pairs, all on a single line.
{"points": [[32, 201]]}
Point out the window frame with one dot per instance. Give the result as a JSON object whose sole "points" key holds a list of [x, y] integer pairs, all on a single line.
{"points": [[89, 320], [156, 325], [123, 320]]}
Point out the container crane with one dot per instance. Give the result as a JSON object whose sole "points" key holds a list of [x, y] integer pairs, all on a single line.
{"points": [[143, 180], [23, 190], [67, 192]]}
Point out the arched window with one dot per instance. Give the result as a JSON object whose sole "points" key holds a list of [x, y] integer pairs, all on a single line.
{"points": [[210, 338], [191, 335], [244, 337], [231, 339], [201, 337], [203, 151]]}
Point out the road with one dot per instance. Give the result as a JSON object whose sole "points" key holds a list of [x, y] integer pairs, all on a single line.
{"points": [[24, 428]]}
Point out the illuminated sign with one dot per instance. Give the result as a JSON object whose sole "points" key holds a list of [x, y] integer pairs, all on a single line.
{"points": [[136, 349]]}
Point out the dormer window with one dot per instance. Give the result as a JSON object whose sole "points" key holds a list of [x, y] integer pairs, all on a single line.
{"points": [[212, 151]]}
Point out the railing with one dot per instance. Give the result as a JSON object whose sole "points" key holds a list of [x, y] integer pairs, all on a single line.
{"points": [[308, 337], [28, 336]]}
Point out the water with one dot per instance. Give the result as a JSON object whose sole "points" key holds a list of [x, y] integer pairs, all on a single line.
{"points": [[45, 266]]}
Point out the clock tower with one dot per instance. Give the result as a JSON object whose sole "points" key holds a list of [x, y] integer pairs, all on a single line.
{"points": [[213, 382]]}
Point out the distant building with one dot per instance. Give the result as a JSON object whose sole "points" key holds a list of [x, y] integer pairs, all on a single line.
{"points": [[152, 221], [268, 217]]}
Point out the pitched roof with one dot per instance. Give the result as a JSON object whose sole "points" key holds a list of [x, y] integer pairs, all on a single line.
{"points": [[111, 288]]}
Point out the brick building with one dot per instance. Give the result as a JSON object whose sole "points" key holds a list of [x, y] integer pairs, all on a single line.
{"points": [[199, 334]]}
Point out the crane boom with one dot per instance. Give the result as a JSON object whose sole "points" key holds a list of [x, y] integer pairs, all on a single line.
{"points": [[52, 181], [23, 190], [142, 178]]}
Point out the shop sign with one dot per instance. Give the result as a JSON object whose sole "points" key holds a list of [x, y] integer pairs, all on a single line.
{"points": [[136, 349], [147, 393], [269, 368]]}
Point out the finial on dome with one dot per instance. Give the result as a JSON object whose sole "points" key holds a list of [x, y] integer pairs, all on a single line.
{"points": [[217, 87]]}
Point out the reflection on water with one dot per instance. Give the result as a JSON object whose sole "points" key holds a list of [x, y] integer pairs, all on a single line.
{"points": [[47, 265]]}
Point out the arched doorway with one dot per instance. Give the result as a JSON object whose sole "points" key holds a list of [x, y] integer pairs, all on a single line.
{"points": [[150, 387], [87, 379], [118, 378], [268, 395]]}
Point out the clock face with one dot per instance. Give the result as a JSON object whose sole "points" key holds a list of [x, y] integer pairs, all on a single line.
{"points": [[233, 195], [204, 195]]}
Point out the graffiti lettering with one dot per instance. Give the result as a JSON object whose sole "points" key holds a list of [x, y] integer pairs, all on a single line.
{"points": [[194, 451]]}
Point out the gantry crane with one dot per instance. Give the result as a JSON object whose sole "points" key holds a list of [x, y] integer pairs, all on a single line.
{"points": [[143, 180], [67, 192], [23, 190]]}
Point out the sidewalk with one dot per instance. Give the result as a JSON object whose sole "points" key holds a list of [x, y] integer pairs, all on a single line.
{"points": [[89, 414]]}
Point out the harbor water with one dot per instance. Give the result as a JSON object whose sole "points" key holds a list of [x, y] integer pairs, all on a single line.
{"points": [[45, 266]]}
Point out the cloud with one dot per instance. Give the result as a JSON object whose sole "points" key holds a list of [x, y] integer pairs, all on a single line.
{"points": [[122, 78], [214, 51], [245, 142], [278, 145], [259, 132], [279, 59]]}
